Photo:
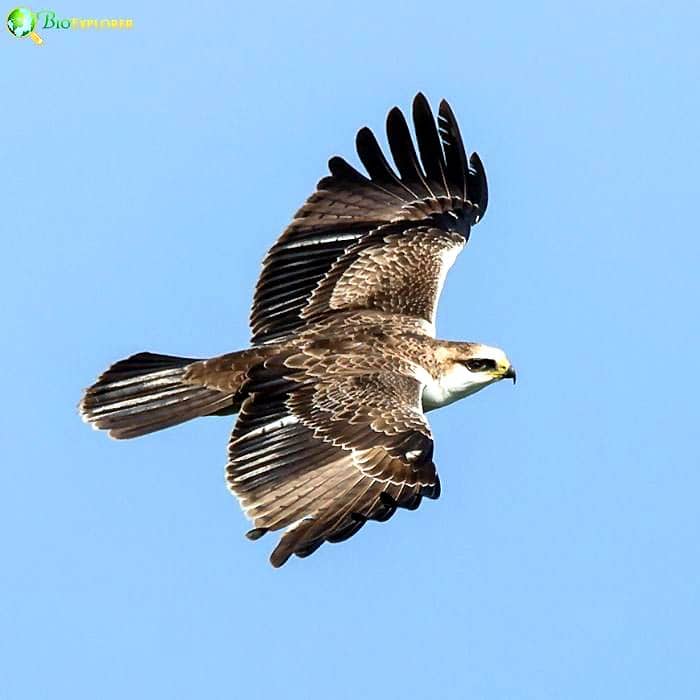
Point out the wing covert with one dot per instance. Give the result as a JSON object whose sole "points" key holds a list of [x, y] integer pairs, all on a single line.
{"points": [[318, 453], [443, 190]]}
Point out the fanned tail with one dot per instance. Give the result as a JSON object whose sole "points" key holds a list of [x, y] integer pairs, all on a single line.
{"points": [[148, 392]]}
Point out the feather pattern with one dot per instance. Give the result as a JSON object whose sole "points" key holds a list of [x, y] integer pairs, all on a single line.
{"points": [[331, 431], [332, 447], [148, 392], [442, 189]]}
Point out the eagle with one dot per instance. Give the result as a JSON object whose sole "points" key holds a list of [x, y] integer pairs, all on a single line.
{"points": [[343, 362]]}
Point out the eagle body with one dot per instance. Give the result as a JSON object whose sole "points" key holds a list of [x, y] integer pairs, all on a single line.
{"points": [[331, 395]]}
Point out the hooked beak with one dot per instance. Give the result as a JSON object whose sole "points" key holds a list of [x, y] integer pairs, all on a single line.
{"points": [[510, 374]]}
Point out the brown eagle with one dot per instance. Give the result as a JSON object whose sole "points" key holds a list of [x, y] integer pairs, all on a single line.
{"points": [[343, 364]]}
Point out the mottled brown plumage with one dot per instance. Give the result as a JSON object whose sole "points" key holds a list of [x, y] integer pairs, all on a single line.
{"points": [[331, 396]]}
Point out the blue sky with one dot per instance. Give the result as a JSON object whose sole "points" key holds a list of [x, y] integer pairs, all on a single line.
{"points": [[146, 174]]}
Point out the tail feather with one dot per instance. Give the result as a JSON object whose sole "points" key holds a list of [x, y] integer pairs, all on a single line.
{"points": [[148, 392]]}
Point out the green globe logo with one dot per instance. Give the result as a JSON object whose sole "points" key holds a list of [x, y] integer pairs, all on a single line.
{"points": [[21, 22]]}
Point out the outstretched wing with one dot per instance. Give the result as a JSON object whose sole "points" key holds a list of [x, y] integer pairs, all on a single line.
{"points": [[318, 450], [391, 233]]}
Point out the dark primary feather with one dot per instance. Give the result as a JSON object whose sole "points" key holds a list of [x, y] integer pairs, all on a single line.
{"points": [[348, 206], [455, 153], [429, 145], [478, 187], [404, 154]]}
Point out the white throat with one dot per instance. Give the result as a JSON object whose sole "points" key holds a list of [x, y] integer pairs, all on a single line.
{"points": [[452, 386]]}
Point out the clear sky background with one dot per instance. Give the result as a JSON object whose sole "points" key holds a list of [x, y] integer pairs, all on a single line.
{"points": [[146, 173]]}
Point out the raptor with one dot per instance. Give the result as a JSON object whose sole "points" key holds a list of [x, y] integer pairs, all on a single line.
{"points": [[343, 363]]}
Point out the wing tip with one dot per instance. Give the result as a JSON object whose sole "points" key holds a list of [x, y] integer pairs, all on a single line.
{"points": [[420, 101]]}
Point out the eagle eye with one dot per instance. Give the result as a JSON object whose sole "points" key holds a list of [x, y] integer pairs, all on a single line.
{"points": [[480, 364]]}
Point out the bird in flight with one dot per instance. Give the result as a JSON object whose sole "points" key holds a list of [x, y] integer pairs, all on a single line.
{"points": [[343, 362]]}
